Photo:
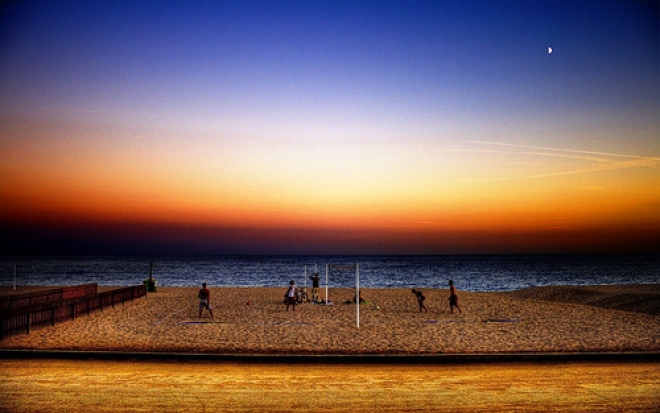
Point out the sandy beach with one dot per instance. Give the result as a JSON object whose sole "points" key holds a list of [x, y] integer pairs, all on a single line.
{"points": [[67, 386], [548, 319]]}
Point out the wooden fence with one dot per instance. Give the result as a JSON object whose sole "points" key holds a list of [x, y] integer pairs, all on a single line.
{"points": [[52, 296], [70, 304]]}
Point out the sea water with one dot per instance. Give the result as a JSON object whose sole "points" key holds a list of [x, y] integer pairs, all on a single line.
{"points": [[470, 273]]}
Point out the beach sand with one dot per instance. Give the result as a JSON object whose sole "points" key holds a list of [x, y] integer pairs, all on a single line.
{"points": [[58, 385], [547, 319]]}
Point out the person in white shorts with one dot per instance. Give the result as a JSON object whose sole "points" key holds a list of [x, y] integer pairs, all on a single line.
{"points": [[290, 296], [204, 296]]}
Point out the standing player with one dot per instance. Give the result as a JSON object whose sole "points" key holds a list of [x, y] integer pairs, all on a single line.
{"points": [[290, 296], [315, 287], [204, 296], [453, 298]]}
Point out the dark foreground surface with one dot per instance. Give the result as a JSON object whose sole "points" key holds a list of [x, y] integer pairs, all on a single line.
{"points": [[120, 385]]}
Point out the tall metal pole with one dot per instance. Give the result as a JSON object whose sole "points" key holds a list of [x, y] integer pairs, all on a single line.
{"points": [[326, 284], [357, 295], [14, 276]]}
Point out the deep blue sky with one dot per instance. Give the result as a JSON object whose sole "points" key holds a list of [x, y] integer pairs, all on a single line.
{"points": [[161, 57]]}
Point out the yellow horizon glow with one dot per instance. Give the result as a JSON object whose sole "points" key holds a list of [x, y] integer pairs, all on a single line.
{"points": [[361, 185]]}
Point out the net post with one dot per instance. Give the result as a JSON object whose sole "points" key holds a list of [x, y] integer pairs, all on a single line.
{"points": [[357, 295]]}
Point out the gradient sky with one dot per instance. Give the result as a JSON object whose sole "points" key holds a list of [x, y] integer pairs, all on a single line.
{"points": [[329, 127]]}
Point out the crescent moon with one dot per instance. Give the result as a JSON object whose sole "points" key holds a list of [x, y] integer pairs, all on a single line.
{"points": [[549, 50]]}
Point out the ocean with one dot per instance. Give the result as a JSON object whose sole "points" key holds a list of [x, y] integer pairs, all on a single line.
{"points": [[470, 273]]}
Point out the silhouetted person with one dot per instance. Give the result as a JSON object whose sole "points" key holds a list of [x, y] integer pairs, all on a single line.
{"points": [[362, 300], [453, 298], [204, 296], [420, 300], [315, 287]]}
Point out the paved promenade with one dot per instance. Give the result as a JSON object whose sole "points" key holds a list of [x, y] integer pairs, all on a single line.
{"points": [[61, 385]]}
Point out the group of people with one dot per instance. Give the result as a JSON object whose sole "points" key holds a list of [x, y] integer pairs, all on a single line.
{"points": [[290, 297], [204, 296], [453, 299]]}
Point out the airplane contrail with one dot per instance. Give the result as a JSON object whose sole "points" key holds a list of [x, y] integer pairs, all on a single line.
{"points": [[605, 164], [542, 148]]}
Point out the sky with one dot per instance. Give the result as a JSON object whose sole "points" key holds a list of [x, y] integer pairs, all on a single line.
{"points": [[329, 127]]}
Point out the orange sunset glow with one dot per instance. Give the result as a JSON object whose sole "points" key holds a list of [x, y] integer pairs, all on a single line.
{"points": [[339, 150]]}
